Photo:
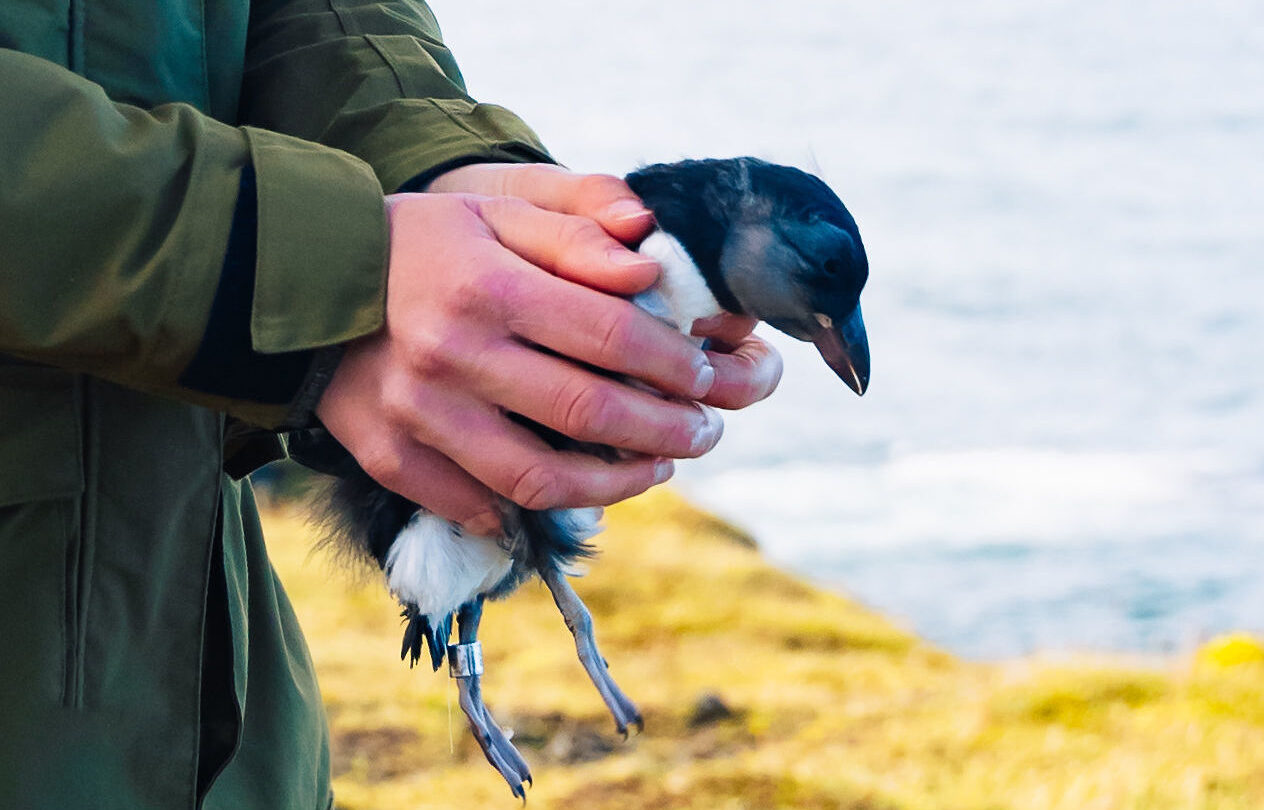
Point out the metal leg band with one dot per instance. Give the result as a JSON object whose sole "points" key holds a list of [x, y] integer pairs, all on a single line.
{"points": [[465, 660]]}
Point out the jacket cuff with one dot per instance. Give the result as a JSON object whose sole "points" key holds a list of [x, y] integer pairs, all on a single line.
{"points": [[420, 183], [407, 139], [320, 270], [320, 370], [225, 364]]}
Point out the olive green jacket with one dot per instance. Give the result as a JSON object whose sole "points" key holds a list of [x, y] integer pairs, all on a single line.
{"points": [[148, 655]]}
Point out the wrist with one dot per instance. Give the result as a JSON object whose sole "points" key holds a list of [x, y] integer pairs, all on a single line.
{"points": [[302, 412], [455, 175]]}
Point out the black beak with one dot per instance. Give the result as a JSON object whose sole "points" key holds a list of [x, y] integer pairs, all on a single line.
{"points": [[845, 347]]}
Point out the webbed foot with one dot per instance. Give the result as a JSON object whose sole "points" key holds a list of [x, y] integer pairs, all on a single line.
{"points": [[580, 623], [465, 665]]}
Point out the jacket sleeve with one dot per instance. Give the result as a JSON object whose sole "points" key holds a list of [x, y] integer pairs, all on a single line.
{"points": [[124, 249], [114, 222], [376, 80]]}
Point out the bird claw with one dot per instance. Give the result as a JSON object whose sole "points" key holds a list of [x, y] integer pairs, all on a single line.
{"points": [[501, 753], [579, 620], [635, 724], [627, 718], [466, 666]]}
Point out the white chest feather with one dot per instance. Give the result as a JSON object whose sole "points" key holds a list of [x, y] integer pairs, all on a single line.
{"points": [[433, 567], [438, 568], [681, 295]]}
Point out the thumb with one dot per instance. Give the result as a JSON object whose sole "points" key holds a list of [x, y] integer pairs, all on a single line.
{"points": [[603, 198]]}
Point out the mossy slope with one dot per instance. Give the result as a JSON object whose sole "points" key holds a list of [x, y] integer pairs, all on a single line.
{"points": [[828, 704]]}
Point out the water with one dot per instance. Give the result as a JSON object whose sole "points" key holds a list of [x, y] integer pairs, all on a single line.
{"points": [[1063, 205]]}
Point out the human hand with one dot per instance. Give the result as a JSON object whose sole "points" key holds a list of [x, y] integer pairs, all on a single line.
{"points": [[747, 369], [481, 302]]}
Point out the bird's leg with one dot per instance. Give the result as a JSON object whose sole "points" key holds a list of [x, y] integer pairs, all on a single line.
{"points": [[465, 664], [579, 621]]}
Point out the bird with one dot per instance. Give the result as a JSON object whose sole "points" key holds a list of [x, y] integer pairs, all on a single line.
{"points": [[738, 235]]}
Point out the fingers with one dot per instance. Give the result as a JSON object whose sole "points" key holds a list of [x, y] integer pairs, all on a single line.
{"points": [[492, 288], [604, 198], [350, 410], [427, 477], [601, 197], [593, 408], [609, 333], [517, 464], [421, 403], [745, 375], [747, 369], [571, 247], [725, 330]]}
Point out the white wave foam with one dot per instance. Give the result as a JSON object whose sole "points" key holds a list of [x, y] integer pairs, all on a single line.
{"points": [[960, 498]]}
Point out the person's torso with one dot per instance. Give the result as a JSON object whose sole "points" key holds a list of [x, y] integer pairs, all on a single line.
{"points": [[143, 52], [116, 520]]}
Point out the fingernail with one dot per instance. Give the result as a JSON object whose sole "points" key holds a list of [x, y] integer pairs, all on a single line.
{"points": [[625, 210], [628, 258], [708, 433], [704, 325], [663, 469], [484, 524], [704, 376]]}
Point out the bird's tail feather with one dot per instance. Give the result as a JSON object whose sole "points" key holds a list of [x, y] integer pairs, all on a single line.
{"points": [[359, 518], [419, 628]]}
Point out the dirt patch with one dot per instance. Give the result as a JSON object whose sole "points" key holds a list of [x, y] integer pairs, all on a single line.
{"points": [[740, 792], [556, 738], [374, 754]]}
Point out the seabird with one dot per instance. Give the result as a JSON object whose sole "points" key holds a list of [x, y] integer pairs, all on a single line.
{"points": [[739, 235]]}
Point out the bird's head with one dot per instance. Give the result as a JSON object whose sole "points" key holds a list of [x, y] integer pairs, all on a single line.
{"points": [[773, 242]]}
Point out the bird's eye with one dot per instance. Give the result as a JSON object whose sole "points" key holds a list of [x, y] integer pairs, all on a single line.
{"points": [[833, 267]]}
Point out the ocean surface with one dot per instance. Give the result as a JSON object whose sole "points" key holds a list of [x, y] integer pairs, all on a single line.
{"points": [[1063, 206]]}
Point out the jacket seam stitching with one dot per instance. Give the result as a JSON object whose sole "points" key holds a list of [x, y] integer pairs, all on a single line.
{"points": [[84, 550], [344, 23], [206, 63], [173, 296], [457, 121], [74, 36], [69, 547], [217, 525], [390, 65]]}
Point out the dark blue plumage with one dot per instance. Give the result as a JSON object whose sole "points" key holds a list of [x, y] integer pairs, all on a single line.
{"points": [[773, 242], [699, 201]]}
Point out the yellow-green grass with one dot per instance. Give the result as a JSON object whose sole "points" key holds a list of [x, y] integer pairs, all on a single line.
{"points": [[832, 706]]}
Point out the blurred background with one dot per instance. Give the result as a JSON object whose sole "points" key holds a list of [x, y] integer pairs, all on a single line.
{"points": [[1063, 206], [1055, 485]]}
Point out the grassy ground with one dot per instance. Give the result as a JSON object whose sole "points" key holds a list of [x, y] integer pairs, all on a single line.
{"points": [[824, 703]]}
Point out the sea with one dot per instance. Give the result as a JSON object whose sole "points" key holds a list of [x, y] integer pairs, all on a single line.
{"points": [[1062, 449]]}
